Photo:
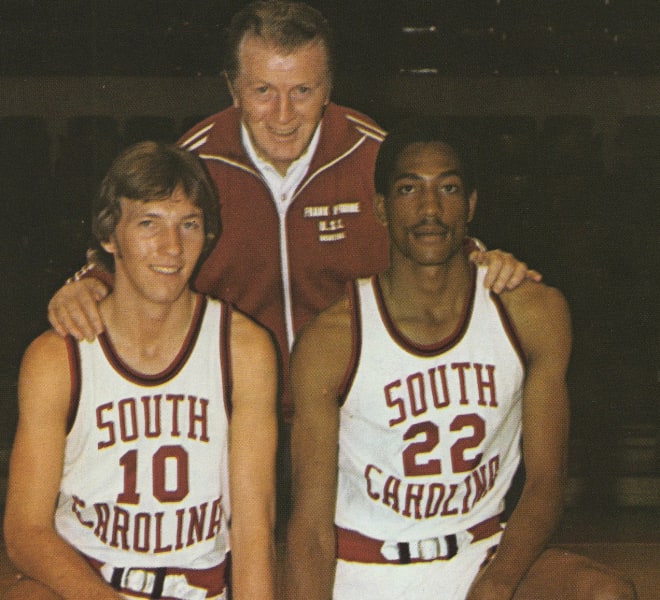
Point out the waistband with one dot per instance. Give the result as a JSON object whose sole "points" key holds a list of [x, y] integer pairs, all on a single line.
{"points": [[165, 582], [355, 547]]}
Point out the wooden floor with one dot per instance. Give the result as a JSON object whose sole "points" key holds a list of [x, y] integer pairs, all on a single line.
{"points": [[628, 539]]}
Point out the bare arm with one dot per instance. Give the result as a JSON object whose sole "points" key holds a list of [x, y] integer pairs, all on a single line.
{"points": [[541, 318], [73, 309], [318, 364], [252, 443], [35, 471]]}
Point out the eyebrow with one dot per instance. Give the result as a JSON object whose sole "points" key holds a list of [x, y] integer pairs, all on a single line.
{"points": [[444, 174], [197, 212]]}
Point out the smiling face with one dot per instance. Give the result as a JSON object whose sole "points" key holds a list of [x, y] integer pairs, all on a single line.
{"points": [[156, 246], [281, 96], [426, 208]]}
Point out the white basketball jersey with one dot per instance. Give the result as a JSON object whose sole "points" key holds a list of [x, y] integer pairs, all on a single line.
{"points": [[145, 468], [429, 436]]}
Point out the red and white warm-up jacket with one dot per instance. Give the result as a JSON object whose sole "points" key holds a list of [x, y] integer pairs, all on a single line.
{"points": [[282, 271]]}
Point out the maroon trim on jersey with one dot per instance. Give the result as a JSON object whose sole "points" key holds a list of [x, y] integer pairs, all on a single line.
{"points": [[356, 346], [423, 349], [177, 364], [225, 355], [509, 328], [73, 353]]}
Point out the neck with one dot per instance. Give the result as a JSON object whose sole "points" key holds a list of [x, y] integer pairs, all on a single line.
{"points": [[427, 303], [148, 336], [281, 167], [431, 285]]}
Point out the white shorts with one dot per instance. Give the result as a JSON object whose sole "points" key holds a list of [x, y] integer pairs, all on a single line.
{"points": [[435, 580], [222, 596]]}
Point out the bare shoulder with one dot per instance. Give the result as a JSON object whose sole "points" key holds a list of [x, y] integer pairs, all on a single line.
{"points": [[250, 338], [46, 355], [45, 373], [534, 300], [254, 368], [539, 312], [321, 357], [327, 333], [47, 346]]}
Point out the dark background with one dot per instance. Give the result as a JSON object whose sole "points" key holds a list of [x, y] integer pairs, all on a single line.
{"points": [[563, 97]]}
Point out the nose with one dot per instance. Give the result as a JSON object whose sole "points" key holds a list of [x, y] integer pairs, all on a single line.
{"points": [[283, 108], [171, 242], [431, 201]]}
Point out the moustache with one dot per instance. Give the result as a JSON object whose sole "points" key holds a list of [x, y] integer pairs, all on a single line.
{"points": [[430, 223]]}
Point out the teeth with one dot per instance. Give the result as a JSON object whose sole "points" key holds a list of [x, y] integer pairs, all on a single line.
{"points": [[284, 133], [165, 270]]}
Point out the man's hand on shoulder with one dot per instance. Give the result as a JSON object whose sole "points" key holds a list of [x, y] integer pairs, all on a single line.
{"points": [[73, 309], [505, 271]]}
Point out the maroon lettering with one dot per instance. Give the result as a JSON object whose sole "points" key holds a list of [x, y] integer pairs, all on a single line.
{"points": [[436, 494], [120, 525], [201, 418], [493, 470], [129, 494], [175, 399], [127, 419], [369, 468], [415, 383], [141, 525], [149, 418], [196, 523], [414, 495], [101, 424], [102, 521], [432, 499], [461, 368], [159, 548], [76, 505], [177, 458], [391, 493], [466, 499], [459, 451], [215, 520], [480, 483], [423, 388], [179, 528], [395, 402], [412, 467], [442, 369], [486, 385], [445, 507], [157, 533]]}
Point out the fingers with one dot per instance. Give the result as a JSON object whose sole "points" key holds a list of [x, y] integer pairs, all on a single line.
{"points": [[505, 272], [73, 310], [510, 274], [534, 275]]}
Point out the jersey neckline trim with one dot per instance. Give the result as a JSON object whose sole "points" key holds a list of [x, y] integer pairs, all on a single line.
{"points": [[427, 349], [148, 380]]}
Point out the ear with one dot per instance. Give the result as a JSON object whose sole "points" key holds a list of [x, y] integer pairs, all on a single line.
{"points": [[472, 205], [230, 87], [328, 91], [379, 209], [110, 246]]}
